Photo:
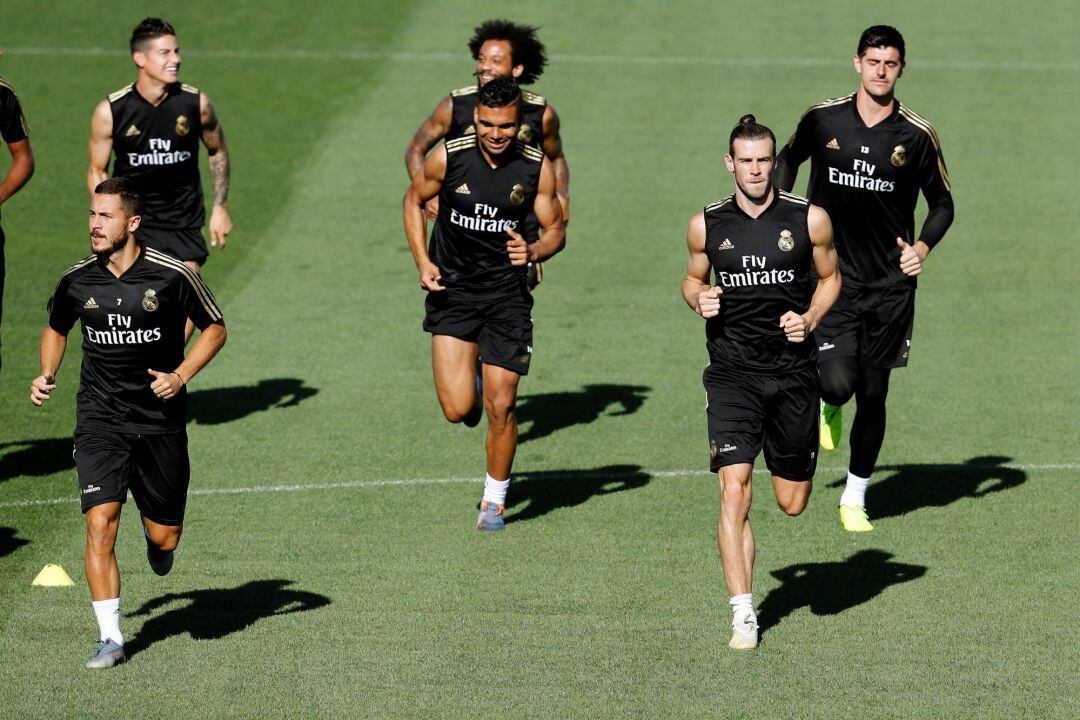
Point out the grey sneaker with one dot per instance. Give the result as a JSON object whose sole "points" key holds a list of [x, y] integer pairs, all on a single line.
{"points": [[491, 518], [744, 635], [108, 653], [160, 562]]}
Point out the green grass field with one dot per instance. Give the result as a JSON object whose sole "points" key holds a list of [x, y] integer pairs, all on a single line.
{"points": [[329, 568]]}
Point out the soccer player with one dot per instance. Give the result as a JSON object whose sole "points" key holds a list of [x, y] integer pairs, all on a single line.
{"points": [[870, 155], [478, 305], [133, 302], [776, 278], [153, 127], [16, 134], [501, 49]]}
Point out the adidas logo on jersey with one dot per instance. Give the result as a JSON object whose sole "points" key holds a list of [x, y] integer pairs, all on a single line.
{"points": [[90, 305], [726, 245], [132, 132], [832, 145], [463, 189]]}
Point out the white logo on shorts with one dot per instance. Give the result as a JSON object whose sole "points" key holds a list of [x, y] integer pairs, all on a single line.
{"points": [[90, 489], [728, 447], [826, 346]]}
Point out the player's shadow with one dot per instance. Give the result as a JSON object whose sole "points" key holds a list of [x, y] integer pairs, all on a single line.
{"points": [[222, 405], [8, 542], [830, 588], [35, 458], [548, 412], [913, 486], [214, 613], [541, 492]]}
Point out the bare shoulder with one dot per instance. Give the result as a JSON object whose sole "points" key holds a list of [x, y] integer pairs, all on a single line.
{"points": [[695, 232], [819, 223]]}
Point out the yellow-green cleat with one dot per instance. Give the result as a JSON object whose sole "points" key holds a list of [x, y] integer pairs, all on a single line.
{"points": [[830, 422], [854, 518]]}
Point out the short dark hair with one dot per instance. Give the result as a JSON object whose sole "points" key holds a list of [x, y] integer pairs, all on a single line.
{"points": [[749, 129], [500, 92], [130, 198], [149, 29], [525, 48], [881, 36]]}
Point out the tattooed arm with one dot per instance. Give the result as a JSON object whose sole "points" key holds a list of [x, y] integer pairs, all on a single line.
{"points": [[428, 136], [213, 138]]}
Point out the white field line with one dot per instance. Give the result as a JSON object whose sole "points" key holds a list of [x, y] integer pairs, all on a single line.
{"points": [[658, 60], [365, 484]]}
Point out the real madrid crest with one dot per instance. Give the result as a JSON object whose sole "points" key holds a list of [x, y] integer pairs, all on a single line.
{"points": [[182, 125], [899, 156], [517, 195], [712, 447], [150, 302], [525, 133], [786, 241]]}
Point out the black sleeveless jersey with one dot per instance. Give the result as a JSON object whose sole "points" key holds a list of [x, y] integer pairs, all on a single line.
{"points": [[158, 147], [765, 268], [868, 180], [477, 204], [532, 116], [130, 323]]}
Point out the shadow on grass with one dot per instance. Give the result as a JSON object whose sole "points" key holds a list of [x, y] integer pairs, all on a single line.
{"points": [[542, 492], [8, 542], [215, 406], [549, 412], [214, 613], [913, 486], [35, 458], [830, 588]]}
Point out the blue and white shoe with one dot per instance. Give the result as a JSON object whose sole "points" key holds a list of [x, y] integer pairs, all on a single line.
{"points": [[160, 562], [107, 654], [490, 518]]}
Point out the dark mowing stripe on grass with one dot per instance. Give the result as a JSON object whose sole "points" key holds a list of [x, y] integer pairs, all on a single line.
{"points": [[361, 484], [378, 55]]}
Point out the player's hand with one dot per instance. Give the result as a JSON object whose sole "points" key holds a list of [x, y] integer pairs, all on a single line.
{"points": [[517, 248], [431, 207], [431, 277], [166, 384], [708, 302], [796, 326], [41, 387], [910, 259], [220, 226]]}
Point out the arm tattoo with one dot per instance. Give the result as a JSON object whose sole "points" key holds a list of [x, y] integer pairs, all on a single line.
{"points": [[213, 138]]}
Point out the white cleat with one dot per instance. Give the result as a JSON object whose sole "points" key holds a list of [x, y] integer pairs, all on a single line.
{"points": [[744, 635]]}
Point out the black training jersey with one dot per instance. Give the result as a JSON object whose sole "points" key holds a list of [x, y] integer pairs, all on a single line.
{"points": [[532, 115], [130, 324], [765, 268], [477, 204], [868, 180], [158, 146], [13, 127]]}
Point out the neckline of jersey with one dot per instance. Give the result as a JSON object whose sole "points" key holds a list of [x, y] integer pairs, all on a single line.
{"points": [[887, 119], [103, 264], [171, 89], [483, 159], [768, 209]]}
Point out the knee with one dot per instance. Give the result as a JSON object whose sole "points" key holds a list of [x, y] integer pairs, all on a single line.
{"points": [[453, 414], [735, 495], [499, 405], [792, 505], [100, 532], [167, 540], [837, 380]]}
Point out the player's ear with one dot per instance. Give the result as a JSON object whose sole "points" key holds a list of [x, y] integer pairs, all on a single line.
{"points": [[517, 71], [139, 58], [730, 162], [133, 223], [857, 61]]}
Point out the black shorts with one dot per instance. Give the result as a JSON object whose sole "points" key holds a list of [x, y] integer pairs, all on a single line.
{"points": [[183, 244], [154, 467], [747, 411], [871, 324], [501, 326]]}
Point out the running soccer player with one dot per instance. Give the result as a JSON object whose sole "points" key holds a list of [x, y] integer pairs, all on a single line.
{"points": [[478, 305], [870, 155], [153, 127], [776, 278], [133, 302], [501, 49], [16, 134]]}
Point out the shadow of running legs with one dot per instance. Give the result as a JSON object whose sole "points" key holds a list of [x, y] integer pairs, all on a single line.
{"points": [[551, 490]]}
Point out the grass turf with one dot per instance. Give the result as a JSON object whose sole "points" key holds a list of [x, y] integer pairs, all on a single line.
{"points": [[604, 597]]}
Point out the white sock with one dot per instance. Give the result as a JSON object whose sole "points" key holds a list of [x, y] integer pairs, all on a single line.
{"points": [[742, 606], [108, 619], [855, 491], [495, 490]]}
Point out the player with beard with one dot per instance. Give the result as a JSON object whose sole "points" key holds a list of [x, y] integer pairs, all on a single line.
{"points": [[153, 127], [501, 49], [776, 277], [870, 156], [478, 305], [130, 432]]}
